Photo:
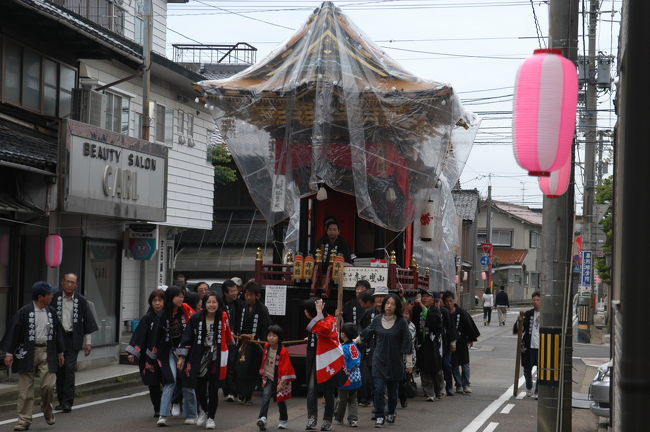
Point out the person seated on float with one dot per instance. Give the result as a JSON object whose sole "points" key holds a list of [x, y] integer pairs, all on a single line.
{"points": [[331, 241]]}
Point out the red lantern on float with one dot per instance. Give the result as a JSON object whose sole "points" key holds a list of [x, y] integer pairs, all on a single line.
{"points": [[426, 222], [557, 183], [544, 113], [53, 250]]}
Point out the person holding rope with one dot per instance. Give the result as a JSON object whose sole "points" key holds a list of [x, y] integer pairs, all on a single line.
{"points": [[253, 322]]}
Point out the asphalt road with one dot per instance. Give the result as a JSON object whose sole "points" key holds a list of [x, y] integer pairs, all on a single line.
{"points": [[492, 369]]}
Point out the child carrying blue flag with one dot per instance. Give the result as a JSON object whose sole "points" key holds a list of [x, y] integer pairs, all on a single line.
{"points": [[348, 391]]}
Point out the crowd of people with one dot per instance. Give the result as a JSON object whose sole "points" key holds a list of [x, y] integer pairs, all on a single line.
{"points": [[191, 344]]}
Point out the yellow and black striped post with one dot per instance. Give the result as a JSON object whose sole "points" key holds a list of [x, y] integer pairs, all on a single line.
{"points": [[548, 363]]}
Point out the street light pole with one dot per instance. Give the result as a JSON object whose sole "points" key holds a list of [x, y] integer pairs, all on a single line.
{"points": [[554, 377]]}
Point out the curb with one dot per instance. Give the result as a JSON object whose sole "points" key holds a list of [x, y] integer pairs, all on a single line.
{"points": [[8, 397]]}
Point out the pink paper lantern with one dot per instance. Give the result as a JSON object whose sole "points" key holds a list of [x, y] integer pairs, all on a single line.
{"points": [[53, 250], [457, 280], [557, 183], [483, 276], [544, 113], [464, 275]]}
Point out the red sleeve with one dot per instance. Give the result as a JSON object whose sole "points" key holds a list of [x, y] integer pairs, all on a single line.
{"points": [[285, 368], [325, 327]]}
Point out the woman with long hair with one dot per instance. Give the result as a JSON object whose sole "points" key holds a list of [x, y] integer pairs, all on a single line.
{"points": [[203, 355], [149, 370], [166, 338], [392, 355]]}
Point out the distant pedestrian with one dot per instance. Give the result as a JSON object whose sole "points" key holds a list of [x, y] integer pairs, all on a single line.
{"points": [[466, 334], [277, 374], [181, 282], [325, 363], [392, 346], [502, 304], [488, 304], [530, 341], [34, 346], [202, 289], [78, 321], [149, 370], [347, 399], [203, 356]]}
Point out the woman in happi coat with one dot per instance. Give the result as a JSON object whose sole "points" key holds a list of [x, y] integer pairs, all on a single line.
{"points": [[203, 355]]}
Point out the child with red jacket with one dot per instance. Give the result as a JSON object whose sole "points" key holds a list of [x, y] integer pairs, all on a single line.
{"points": [[277, 373]]}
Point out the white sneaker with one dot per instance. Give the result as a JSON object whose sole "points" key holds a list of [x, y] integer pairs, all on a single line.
{"points": [[283, 424], [190, 421], [467, 389], [230, 398], [162, 421], [529, 393], [209, 424], [176, 410], [203, 417], [261, 423], [431, 399]]}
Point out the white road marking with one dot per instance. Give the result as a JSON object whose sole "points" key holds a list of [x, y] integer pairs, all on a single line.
{"points": [[491, 427], [506, 409], [521, 395], [476, 424], [89, 404]]}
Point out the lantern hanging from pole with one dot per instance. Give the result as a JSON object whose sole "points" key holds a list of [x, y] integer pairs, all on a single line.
{"points": [[464, 275], [53, 250], [557, 183], [426, 222], [483, 276], [457, 279], [544, 112]]}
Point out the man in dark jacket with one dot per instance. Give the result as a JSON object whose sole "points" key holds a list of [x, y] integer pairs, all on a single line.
{"points": [[428, 323], [530, 341], [502, 304], [352, 309], [78, 322], [33, 345], [232, 305], [466, 334]]}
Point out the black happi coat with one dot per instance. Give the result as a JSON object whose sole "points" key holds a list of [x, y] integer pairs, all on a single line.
{"points": [[160, 345], [255, 322], [429, 338], [390, 347], [342, 248], [83, 320], [149, 370], [193, 347], [466, 331], [20, 338], [449, 333], [527, 330], [232, 308], [353, 311]]}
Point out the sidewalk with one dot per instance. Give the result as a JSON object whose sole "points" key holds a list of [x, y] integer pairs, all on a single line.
{"points": [[88, 381]]}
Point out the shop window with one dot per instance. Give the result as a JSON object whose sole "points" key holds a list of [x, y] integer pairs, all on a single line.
{"points": [[101, 285]]}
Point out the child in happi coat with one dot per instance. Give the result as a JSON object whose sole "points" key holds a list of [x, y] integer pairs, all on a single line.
{"points": [[348, 392], [203, 356], [277, 373]]}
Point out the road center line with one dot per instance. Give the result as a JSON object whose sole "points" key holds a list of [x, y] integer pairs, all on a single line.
{"points": [[506, 409], [491, 409], [89, 404], [491, 427]]}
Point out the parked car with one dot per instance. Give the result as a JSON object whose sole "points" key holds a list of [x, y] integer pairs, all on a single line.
{"points": [[214, 284], [599, 390]]}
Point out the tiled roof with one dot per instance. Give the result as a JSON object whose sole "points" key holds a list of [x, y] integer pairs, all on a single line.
{"points": [[25, 146], [466, 202], [521, 212], [236, 235], [510, 256]]}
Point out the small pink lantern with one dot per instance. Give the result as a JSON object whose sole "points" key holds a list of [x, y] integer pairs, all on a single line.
{"points": [[464, 275], [557, 183], [53, 250], [483, 276], [544, 112], [457, 280]]}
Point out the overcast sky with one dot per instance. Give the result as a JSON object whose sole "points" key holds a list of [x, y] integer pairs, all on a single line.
{"points": [[474, 45]]}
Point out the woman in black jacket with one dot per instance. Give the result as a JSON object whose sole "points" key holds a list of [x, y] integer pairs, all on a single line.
{"points": [[149, 370]]}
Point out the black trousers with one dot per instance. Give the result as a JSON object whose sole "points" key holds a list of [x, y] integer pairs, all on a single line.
{"points": [[65, 374], [230, 384], [155, 393], [207, 393]]}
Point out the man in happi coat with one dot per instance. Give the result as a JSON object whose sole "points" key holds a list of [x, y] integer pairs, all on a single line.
{"points": [[78, 322], [34, 345]]}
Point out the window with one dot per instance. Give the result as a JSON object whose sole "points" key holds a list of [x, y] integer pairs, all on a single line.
{"points": [[189, 125], [113, 112], [160, 123], [181, 122], [139, 30], [126, 109], [137, 133], [535, 240], [35, 82], [105, 13], [500, 237]]}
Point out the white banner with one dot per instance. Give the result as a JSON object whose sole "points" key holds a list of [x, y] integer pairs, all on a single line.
{"points": [[276, 299], [377, 276]]}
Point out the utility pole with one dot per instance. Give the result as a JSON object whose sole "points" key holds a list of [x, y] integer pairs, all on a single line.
{"points": [[591, 126], [488, 232], [631, 376], [554, 377], [147, 44]]}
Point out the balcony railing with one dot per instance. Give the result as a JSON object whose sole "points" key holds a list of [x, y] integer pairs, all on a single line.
{"points": [[240, 53], [104, 13]]}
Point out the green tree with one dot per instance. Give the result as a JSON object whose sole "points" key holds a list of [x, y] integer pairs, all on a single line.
{"points": [[605, 195], [222, 162]]}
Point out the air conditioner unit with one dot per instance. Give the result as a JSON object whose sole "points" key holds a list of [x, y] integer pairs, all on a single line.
{"points": [[89, 106], [190, 142]]}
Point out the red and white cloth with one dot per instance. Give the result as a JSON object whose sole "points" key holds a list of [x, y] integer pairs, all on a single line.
{"points": [[284, 371], [329, 355]]}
